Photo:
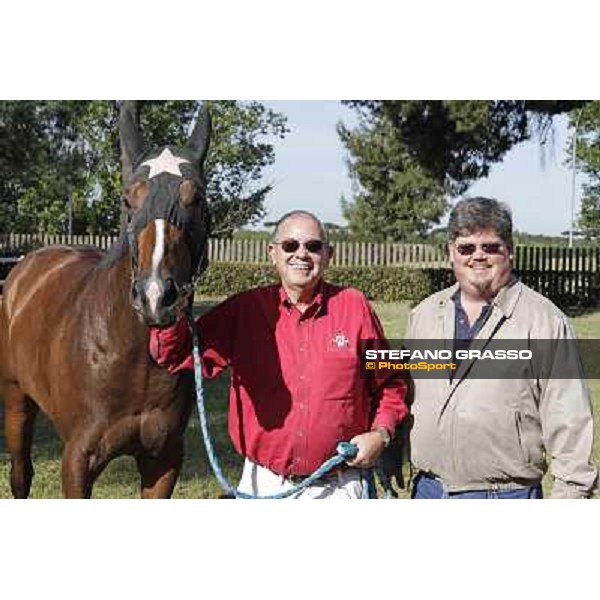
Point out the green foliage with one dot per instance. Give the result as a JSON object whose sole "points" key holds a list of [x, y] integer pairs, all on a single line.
{"points": [[456, 142], [226, 279], [386, 284], [235, 165], [246, 234], [51, 152], [589, 215], [396, 198], [39, 159], [408, 157], [586, 121]]}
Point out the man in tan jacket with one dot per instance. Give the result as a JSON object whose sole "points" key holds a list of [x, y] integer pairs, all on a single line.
{"points": [[478, 437]]}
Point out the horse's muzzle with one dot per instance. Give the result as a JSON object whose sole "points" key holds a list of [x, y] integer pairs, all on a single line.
{"points": [[159, 301]]}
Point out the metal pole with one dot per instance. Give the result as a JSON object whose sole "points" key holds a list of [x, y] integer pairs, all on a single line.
{"points": [[573, 176], [70, 214]]}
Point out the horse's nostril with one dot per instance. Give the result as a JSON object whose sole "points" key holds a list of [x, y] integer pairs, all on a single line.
{"points": [[170, 293]]}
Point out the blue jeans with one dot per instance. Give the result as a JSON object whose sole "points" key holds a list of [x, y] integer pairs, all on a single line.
{"points": [[429, 488]]}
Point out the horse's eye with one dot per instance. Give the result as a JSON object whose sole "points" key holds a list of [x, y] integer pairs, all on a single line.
{"points": [[136, 194], [187, 192]]}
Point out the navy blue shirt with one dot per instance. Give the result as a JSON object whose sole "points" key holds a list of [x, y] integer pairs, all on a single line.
{"points": [[463, 334], [462, 331]]}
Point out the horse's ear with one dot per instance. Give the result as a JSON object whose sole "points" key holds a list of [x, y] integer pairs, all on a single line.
{"points": [[200, 137], [132, 141]]}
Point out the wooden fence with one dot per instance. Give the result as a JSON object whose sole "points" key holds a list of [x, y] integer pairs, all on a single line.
{"points": [[568, 276], [346, 253], [19, 243], [255, 250], [527, 258]]}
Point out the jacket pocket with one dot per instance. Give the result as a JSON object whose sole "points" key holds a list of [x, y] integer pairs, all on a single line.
{"points": [[520, 437]]}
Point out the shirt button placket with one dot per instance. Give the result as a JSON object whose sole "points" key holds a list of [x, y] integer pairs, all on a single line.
{"points": [[303, 358]]}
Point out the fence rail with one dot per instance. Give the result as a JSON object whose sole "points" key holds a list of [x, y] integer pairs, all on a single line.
{"points": [[556, 272], [527, 258]]}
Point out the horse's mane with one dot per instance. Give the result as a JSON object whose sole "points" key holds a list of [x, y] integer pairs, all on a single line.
{"points": [[114, 253]]}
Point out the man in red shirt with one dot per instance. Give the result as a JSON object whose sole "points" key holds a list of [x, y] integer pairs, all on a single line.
{"points": [[294, 353]]}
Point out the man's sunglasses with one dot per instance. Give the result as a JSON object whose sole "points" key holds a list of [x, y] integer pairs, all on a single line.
{"points": [[488, 248], [313, 246]]}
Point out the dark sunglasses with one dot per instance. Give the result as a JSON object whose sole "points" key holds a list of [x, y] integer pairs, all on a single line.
{"points": [[489, 248], [313, 246]]}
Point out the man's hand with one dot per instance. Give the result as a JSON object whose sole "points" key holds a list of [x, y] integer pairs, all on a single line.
{"points": [[370, 446]]}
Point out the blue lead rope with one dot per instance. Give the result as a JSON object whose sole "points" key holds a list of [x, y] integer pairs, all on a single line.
{"points": [[345, 450]]}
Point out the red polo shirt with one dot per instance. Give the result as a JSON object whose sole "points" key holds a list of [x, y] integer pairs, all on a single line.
{"points": [[296, 389]]}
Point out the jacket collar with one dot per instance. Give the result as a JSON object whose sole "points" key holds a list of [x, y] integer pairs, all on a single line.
{"points": [[501, 307], [507, 297]]}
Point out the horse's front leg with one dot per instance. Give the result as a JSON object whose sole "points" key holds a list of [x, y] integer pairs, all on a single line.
{"points": [[76, 475], [159, 473], [84, 457]]}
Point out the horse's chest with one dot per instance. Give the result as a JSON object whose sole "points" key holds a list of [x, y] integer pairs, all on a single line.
{"points": [[162, 414]]}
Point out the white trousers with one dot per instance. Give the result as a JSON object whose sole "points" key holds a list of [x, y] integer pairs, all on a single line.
{"points": [[260, 481]]}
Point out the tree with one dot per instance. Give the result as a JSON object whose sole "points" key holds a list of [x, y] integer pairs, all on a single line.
{"points": [[236, 163], [585, 123], [39, 165], [396, 199], [73, 156], [408, 157]]}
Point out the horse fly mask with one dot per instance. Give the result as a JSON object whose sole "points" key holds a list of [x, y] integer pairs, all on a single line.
{"points": [[166, 192], [163, 177]]}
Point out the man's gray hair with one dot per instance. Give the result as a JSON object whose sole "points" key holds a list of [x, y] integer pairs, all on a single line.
{"points": [[300, 213], [474, 214]]}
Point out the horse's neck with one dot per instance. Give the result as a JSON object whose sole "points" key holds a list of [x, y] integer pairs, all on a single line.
{"points": [[114, 283], [119, 279]]}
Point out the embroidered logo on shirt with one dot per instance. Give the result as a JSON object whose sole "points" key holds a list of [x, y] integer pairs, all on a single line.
{"points": [[339, 340]]}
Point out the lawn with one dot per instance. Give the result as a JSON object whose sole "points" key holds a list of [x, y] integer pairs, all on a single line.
{"points": [[120, 480]]}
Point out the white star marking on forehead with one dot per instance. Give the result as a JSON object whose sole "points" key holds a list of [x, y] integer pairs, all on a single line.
{"points": [[165, 162]]}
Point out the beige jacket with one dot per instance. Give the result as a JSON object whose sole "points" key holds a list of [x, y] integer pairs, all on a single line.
{"points": [[500, 433]]}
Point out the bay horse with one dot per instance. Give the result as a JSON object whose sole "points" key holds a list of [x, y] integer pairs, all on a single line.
{"points": [[74, 327]]}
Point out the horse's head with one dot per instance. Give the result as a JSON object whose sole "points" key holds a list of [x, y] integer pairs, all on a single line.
{"points": [[168, 223]]}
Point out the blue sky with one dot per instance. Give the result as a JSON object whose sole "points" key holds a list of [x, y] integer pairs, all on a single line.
{"points": [[310, 172]]}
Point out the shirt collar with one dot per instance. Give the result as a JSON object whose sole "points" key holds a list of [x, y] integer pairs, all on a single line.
{"points": [[462, 330], [455, 297], [316, 306]]}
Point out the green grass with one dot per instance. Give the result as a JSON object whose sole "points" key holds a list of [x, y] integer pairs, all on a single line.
{"points": [[120, 480]]}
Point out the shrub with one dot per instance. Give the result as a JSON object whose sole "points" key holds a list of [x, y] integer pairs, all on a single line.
{"points": [[387, 284], [226, 279]]}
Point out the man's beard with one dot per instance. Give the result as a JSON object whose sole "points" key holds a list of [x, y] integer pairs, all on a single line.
{"points": [[482, 286]]}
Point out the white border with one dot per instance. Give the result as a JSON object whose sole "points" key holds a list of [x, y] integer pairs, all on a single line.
{"points": [[313, 49]]}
